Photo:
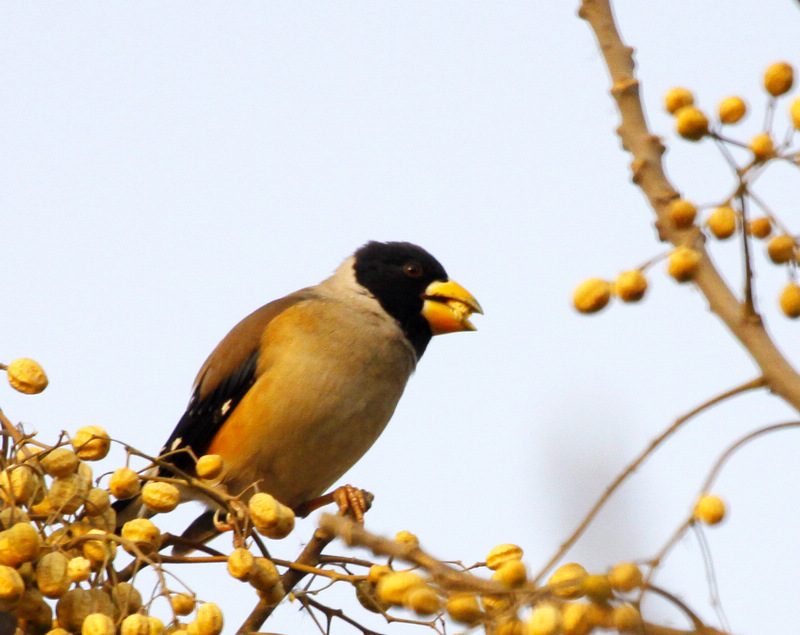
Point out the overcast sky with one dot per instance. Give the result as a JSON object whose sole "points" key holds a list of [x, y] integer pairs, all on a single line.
{"points": [[166, 168]]}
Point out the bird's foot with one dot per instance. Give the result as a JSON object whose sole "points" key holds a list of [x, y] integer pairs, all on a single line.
{"points": [[354, 501], [232, 518], [350, 500], [223, 525]]}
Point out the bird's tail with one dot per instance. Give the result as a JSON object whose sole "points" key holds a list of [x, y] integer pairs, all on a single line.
{"points": [[128, 509]]}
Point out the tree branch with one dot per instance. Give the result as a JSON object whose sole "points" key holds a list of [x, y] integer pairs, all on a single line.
{"points": [[648, 174]]}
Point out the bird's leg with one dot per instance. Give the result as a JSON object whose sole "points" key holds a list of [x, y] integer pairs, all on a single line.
{"points": [[349, 499], [231, 519], [223, 525]]}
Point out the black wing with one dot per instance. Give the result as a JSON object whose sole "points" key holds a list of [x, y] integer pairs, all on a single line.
{"points": [[204, 417]]}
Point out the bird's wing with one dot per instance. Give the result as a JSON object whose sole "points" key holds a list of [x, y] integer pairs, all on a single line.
{"points": [[224, 379]]}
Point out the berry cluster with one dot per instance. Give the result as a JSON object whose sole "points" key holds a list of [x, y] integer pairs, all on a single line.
{"points": [[59, 540], [727, 217], [572, 602]]}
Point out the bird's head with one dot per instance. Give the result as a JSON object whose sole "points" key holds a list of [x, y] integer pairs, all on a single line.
{"points": [[413, 287]]}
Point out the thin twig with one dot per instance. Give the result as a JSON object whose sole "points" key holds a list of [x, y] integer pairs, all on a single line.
{"points": [[634, 465], [446, 576], [696, 621], [309, 556]]}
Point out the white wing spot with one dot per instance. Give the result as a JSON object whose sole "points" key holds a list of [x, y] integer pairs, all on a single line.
{"points": [[176, 444], [225, 407]]}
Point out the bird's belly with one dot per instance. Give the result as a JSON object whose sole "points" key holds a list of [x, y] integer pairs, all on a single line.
{"points": [[307, 425]]}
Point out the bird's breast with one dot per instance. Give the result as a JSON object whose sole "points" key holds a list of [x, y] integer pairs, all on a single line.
{"points": [[327, 384]]}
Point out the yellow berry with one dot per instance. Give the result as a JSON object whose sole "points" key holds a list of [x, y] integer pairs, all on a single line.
{"points": [[762, 147], [60, 462], [722, 222], [781, 249], [393, 586], [264, 575], [98, 624], [26, 376], [20, 543], [377, 571], [509, 625], [18, 484], [511, 573], [10, 516], [790, 300], [683, 264], [626, 619], [210, 467], [72, 608], [91, 443], [99, 551], [794, 111], [691, 123], [209, 619], [124, 483], [464, 608], [759, 227], [407, 538], [12, 585], [778, 78], [731, 110], [597, 587], [494, 604], [156, 625], [270, 517], [677, 98], [182, 604], [240, 563], [160, 497], [599, 614], [545, 619], [630, 286], [136, 624], [97, 502], [52, 578], [591, 295], [625, 576], [79, 569], [143, 532], [575, 619], [66, 493], [503, 553], [422, 600], [566, 580], [126, 598], [709, 509], [681, 212]]}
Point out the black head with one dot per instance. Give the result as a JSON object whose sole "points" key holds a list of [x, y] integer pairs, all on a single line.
{"points": [[397, 274]]}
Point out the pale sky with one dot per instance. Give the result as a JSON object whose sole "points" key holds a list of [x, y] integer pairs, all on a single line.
{"points": [[166, 168]]}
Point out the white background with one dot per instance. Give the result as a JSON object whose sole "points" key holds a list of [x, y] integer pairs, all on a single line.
{"points": [[165, 168]]}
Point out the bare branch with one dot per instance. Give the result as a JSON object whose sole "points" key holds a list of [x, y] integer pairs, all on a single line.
{"points": [[648, 173]]}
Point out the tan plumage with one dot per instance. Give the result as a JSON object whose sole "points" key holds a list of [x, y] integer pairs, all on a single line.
{"points": [[301, 388]]}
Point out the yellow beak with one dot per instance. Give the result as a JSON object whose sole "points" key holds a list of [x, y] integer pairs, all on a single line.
{"points": [[448, 306]]}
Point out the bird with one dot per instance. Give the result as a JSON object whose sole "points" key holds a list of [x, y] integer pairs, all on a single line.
{"points": [[301, 388]]}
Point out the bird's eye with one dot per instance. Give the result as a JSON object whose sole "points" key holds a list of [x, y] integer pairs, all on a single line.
{"points": [[413, 269]]}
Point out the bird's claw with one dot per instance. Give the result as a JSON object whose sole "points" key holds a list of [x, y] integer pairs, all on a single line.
{"points": [[350, 500], [224, 525], [353, 501]]}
